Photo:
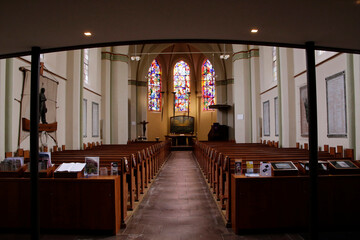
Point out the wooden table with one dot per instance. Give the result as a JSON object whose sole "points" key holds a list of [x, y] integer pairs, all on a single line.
{"points": [[181, 139]]}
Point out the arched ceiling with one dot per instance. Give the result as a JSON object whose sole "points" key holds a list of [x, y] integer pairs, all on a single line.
{"points": [[59, 25], [168, 54]]}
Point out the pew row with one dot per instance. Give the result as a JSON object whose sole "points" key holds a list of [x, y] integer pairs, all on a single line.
{"points": [[217, 161], [138, 165]]}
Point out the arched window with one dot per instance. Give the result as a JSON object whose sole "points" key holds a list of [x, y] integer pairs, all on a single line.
{"points": [[154, 87], [208, 84], [274, 64], [86, 65], [181, 86]]}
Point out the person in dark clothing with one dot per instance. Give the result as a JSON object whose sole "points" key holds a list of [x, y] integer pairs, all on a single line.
{"points": [[42, 105]]}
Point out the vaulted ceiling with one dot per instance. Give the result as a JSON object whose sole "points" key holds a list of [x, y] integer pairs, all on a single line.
{"points": [[59, 25]]}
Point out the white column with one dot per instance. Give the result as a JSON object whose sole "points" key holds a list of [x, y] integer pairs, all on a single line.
{"points": [[119, 88], [255, 93], [287, 98], [73, 102], [106, 94], [241, 93], [2, 108]]}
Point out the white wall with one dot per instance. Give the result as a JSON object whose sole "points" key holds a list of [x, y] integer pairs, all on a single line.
{"points": [[92, 93], [269, 96], [266, 74], [323, 70], [268, 90], [299, 61], [55, 62]]}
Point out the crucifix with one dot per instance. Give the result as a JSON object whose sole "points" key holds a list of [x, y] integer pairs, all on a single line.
{"points": [[144, 126]]}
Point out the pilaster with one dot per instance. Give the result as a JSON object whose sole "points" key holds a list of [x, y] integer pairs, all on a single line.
{"points": [[106, 95], [119, 95], [254, 69], [287, 106], [241, 93], [73, 89]]}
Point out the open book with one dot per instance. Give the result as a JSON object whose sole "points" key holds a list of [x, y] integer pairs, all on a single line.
{"points": [[70, 167]]}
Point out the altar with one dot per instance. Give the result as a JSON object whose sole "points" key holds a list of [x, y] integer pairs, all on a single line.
{"points": [[181, 132], [181, 141]]}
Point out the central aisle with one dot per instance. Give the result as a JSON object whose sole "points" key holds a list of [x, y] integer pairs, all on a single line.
{"points": [[179, 206]]}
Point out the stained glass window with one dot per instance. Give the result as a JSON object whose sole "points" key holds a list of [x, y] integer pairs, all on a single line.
{"points": [[181, 86], [154, 87], [208, 84]]}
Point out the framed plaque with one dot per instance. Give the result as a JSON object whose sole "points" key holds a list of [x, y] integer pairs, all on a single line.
{"points": [[323, 167], [266, 118], [304, 117], [336, 105], [284, 169], [343, 167]]}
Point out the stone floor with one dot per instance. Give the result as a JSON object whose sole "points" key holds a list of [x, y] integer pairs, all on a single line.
{"points": [[178, 206]]}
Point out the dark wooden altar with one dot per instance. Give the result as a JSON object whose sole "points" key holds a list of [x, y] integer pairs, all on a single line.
{"points": [[181, 141], [181, 132]]}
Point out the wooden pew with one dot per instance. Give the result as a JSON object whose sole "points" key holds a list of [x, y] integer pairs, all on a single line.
{"points": [[213, 156]]}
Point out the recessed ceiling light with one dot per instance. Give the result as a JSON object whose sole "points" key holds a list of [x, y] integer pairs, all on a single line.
{"points": [[88, 34], [357, 2], [254, 30]]}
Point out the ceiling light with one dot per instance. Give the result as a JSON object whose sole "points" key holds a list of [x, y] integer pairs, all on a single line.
{"points": [[357, 2], [88, 34], [254, 30], [224, 56], [135, 58]]}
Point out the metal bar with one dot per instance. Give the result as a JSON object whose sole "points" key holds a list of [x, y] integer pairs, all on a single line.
{"points": [[34, 142], [313, 139]]}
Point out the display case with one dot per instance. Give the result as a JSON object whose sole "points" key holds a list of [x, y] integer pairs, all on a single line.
{"points": [[343, 167], [284, 169], [323, 167]]}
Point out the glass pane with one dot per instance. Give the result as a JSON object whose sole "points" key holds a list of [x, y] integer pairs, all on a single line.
{"points": [[154, 87], [181, 86], [208, 84]]}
